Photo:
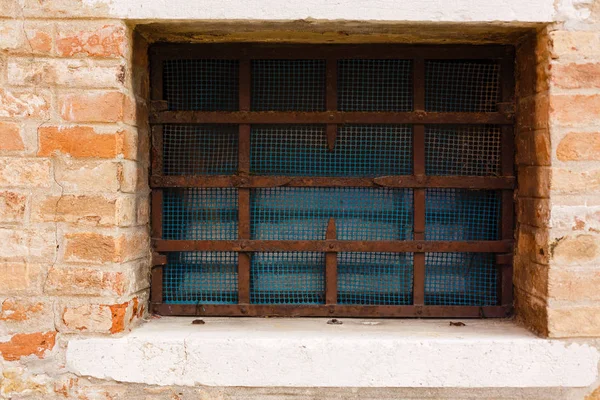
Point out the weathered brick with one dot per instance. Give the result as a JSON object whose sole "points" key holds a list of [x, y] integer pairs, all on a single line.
{"points": [[82, 209], [100, 318], [576, 218], [24, 104], [534, 181], [90, 39], [83, 73], [24, 314], [579, 146], [10, 137], [533, 147], [132, 177], [12, 206], [143, 210], [576, 76], [571, 110], [532, 244], [533, 211], [33, 245], [19, 309], [90, 247], [106, 106], [87, 176], [575, 44], [574, 284], [79, 141], [576, 250], [574, 321], [29, 37], [25, 172], [533, 112], [67, 281], [530, 277], [532, 312], [20, 278], [572, 182], [27, 344]]}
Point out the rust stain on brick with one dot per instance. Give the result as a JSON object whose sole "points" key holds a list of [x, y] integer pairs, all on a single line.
{"points": [[26, 344], [118, 312]]}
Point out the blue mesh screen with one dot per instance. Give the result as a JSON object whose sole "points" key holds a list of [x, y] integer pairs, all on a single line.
{"points": [[462, 150], [288, 85], [375, 278], [200, 277], [375, 85], [462, 85], [360, 150], [461, 214], [202, 85], [287, 278], [200, 149], [200, 214], [461, 279], [303, 213]]}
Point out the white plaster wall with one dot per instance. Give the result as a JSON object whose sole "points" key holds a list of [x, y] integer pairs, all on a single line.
{"points": [[310, 353], [364, 10]]}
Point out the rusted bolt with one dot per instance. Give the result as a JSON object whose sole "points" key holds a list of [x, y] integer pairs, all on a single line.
{"points": [[243, 310], [242, 245], [419, 247], [331, 117], [331, 311], [331, 246]]}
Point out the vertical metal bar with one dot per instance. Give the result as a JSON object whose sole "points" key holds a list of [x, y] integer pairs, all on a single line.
{"points": [[156, 290], [156, 76], [331, 100], [331, 291], [507, 215], [419, 172], [157, 151], [244, 194]]}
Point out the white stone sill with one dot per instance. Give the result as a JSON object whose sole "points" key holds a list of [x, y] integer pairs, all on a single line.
{"points": [[256, 352]]}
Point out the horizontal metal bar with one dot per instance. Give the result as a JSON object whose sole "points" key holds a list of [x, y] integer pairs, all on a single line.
{"points": [[406, 181], [358, 311], [320, 51], [383, 246], [325, 117]]}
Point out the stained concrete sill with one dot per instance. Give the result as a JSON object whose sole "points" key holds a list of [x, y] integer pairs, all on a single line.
{"points": [[311, 353]]}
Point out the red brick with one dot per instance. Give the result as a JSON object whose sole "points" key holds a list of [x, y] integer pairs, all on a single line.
{"points": [[66, 281], [27, 344], [94, 41], [10, 137], [575, 76], [92, 107], [569, 110], [584, 146], [79, 141]]}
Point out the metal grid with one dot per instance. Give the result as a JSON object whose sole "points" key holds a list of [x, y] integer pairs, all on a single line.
{"points": [[360, 150], [375, 278], [469, 279], [201, 85], [201, 277], [200, 149], [287, 278], [303, 213], [462, 85], [463, 150], [200, 214], [288, 85], [375, 85], [461, 214]]}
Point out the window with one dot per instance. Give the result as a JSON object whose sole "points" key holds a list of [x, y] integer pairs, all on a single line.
{"points": [[332, 180]]}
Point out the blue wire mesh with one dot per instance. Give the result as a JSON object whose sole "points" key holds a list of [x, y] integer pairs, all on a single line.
{"points": [[462, 85], [201, 278], [303, 213], [200, 214], [462, 150], [461, 214], [202, 85], [288, 85], [375, 278], [461, 279], [360, 150], [287, 278], [375, 85], [200, 149]]}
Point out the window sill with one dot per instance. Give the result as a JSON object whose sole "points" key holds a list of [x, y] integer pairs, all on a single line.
{"points": [[310, 353]]}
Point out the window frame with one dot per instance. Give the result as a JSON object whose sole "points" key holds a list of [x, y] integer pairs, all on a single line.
{"points": [[418, 181]]}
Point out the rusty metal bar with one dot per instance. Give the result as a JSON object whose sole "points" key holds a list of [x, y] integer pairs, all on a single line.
{"points": [[406, 181], [326, 117], [324, 246], [366, 311], [156, 284], [157, 150], [331, 273], [244, 193], [324, 51]]}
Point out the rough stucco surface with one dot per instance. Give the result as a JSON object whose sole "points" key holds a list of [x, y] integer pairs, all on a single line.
{"points": [[74, 207]]}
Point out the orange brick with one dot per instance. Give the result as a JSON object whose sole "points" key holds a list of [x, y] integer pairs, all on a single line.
{"points": [[533, 112], [20, 309], [576, 250], [573, 182], [66, 281], [12, 206], [77, 141], [583, 146], [575, 76], [27, 344], [579, 44], [101, 318], [20, 278], [533, 147], [94, 41], [575, 321], [92, 107], [574, 284], [10, 137], [24, 104], [83, 209], [572, 110], [91, 247]]}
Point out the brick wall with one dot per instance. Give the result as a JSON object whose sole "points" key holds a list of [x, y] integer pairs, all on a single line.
{"points": [[74, 206]]}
